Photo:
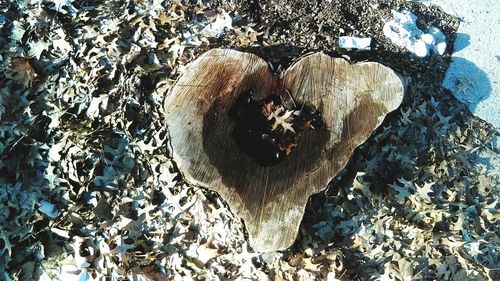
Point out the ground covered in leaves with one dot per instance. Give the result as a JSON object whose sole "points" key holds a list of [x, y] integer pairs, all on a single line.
{"points": [[88, 191]]}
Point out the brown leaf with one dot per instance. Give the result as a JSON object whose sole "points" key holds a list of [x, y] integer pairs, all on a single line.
{"points": [[22, 72]]}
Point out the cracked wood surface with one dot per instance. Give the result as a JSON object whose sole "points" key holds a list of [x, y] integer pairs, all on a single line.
{"points": [[354, 100]]}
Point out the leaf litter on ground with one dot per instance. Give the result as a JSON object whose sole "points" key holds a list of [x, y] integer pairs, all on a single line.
{"points": [[88, 189]]}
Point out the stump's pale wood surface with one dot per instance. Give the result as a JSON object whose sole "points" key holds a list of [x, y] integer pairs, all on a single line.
{"points": [[354, 100]]}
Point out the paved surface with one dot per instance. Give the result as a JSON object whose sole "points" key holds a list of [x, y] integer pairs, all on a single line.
{"points": [[474, 74]]}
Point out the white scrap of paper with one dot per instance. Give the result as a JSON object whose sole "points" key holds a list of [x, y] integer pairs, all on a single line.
{"points": [[348, 42]]}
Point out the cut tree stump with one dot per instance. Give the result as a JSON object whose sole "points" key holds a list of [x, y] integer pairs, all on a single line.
{"points": [[354, 99]]}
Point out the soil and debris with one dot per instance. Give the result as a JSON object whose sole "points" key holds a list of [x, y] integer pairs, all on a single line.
{"points": [[88, 189]]}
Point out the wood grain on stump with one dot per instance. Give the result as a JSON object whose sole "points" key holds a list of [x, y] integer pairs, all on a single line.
{"points": [[353, 99]]}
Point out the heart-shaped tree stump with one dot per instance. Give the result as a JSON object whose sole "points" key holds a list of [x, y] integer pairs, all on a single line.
{"points": [[353, 101]]}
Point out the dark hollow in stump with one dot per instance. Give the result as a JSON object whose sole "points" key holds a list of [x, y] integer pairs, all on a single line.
{"points": [[352, 99], [268, 131]]}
